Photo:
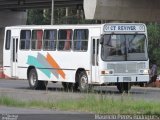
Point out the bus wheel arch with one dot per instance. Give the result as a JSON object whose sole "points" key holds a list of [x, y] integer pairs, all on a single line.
{"points": [[34, 83], [77, 73], [28, 70]]}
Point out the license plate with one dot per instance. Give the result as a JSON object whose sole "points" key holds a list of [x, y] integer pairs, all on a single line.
{"points": [[126, 79]]}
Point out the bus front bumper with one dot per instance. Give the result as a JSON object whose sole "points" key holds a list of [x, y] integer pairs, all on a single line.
{"points": [[131, 78]]}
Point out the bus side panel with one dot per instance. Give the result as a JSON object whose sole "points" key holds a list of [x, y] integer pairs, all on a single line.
{"points": [[6, 59], [56, 65], [70, 62], [22, 64]]}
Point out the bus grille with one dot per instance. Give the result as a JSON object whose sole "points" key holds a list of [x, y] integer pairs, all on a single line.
{"points": [[126, 67]]}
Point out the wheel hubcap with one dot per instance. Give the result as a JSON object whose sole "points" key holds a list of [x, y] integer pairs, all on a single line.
{"points": [[33, 79], [83, 81]]}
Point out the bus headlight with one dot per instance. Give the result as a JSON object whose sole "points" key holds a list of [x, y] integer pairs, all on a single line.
{"points": [[144, 71], [107, 72]]}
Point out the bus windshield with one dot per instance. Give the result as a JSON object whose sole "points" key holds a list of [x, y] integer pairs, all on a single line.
{"points": [[124, 47]]}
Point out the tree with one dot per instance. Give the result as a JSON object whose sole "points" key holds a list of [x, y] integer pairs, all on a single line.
{"points": [[154, 42], [35, 17], [43, 16]]}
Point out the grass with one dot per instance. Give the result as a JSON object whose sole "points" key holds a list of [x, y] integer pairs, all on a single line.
{"points": [[92, 104]]}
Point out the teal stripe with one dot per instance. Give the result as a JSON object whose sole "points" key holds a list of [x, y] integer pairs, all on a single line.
{"points": [[33, 61]]}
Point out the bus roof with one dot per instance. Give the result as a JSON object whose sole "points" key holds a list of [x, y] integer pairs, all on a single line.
{"points": [[55, 26], [105, 28], [72, 25]]}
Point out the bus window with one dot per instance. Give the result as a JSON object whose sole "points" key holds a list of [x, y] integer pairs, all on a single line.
{"points": [[37, 39], [80, 39], [25, 39], [64, 39], [8, 38], [49, 39]]}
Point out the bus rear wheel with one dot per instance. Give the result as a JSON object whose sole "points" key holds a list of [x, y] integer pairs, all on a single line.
{"points": [[34, 83], [123, 87]]}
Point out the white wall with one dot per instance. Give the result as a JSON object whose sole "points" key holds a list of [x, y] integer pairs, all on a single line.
{"points": [[9, 18], [127, 10]]}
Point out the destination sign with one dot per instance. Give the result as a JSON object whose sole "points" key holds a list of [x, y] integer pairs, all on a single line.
{"points": [[124, 27]]}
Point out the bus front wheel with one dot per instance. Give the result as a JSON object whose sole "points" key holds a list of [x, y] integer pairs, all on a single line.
{"points": [[34, 83], [83, 82], [123, 87]]}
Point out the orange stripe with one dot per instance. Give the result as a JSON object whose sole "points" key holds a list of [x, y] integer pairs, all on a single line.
{"points": [[54, 64]]}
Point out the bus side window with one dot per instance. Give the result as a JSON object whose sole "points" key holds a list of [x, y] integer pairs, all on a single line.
{"points": [[80, 39], [25, 39], [8, 39], [64, 39], [49, 39], [37, 39]]}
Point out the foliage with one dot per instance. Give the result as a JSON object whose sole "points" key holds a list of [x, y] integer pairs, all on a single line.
{"points": [[100, 104], [154, 42], [35, 17], [43, 16]]}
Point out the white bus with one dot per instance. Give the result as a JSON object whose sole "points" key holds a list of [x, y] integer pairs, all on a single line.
{"points": [[79, 56]]}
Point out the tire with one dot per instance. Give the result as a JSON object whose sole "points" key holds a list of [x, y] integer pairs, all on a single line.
{"points": [[124, 87], [34, 83], [83, 85], [142, 84], [67, 86]]}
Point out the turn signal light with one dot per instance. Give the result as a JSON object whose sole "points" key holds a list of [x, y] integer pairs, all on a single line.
{"points": [[105, 72]]}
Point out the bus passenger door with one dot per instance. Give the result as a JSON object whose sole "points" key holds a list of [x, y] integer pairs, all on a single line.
{"points": [[95, 54], [14, 47]]}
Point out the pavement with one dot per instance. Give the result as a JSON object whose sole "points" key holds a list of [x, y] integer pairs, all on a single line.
{"points": [[19, 90]]}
